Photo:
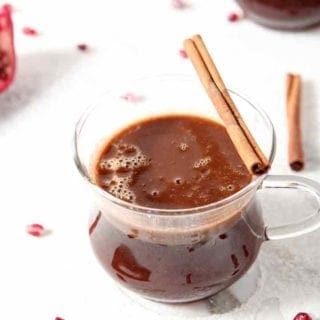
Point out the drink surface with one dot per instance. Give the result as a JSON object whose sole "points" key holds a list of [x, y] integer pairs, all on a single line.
{"points": [[171, 162]]}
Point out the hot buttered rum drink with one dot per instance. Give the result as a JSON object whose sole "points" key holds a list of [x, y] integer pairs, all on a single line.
{"points": [[174, 162]]}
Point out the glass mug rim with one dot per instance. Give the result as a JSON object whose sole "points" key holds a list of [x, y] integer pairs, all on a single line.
{"points": [[170, 212]]}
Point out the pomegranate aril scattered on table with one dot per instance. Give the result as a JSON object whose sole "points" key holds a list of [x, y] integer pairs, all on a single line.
{"points": [[131, 97], [82, 47], [30, 31], [183, 54], [7, 52], [233, 17], [178, 4], [302, 316], [35, 229]]}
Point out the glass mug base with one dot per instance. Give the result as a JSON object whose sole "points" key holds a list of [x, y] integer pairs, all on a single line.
{"points": [[203, 265], [224, 301]]}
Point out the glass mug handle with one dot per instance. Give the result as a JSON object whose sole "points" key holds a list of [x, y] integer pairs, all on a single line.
{"points": [[305, 226]]}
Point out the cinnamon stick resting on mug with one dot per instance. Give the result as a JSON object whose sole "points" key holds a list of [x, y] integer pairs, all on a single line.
{"points": [[248, 149], [295, 149]]}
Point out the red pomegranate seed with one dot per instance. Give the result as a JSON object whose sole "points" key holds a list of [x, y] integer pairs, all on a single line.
{"points": [[302, 316], [35, 229], [7, 52], [233, 17], [82, 47], [183, 54], [30, 31], [178, 4], [58, 318], [131, 97]]}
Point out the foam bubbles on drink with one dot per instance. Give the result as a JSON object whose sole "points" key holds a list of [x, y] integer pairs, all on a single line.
{"points": [[128, 158], [123, 194], [183, 146], [202, 162], [229, 187], [125, 160], [240, 170], [154, 193]]}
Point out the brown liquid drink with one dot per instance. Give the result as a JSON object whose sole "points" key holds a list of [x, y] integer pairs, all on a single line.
{"points": [[175, 162]]}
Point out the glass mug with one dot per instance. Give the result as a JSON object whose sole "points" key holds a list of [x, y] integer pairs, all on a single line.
{"points": [[186, 254], [283, 14]]}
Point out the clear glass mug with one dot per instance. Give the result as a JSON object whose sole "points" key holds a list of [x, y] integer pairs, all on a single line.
{"points": [[179, 255], [283, 14]]}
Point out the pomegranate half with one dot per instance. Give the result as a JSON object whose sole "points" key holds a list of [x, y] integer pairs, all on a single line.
{"points": [[7, 52]]}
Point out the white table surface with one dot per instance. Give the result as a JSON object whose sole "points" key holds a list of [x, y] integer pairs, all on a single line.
{"points": [[58, 275]]}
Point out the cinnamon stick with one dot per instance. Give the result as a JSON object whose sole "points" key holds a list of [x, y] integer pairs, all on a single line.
{"points": [[211, 79], [295, 149]]}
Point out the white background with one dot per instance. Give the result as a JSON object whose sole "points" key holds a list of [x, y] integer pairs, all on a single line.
{"points": [[58, 275]]}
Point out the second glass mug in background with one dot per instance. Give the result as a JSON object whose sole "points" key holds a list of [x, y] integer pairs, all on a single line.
{"points": [[283, 14], [179, 255]]}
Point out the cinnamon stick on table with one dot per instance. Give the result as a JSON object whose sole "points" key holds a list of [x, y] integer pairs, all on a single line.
{"points": [[248, 149], [295, 149]]}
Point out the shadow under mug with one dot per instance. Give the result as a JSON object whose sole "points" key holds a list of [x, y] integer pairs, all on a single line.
{"points": [[186, 254]]}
